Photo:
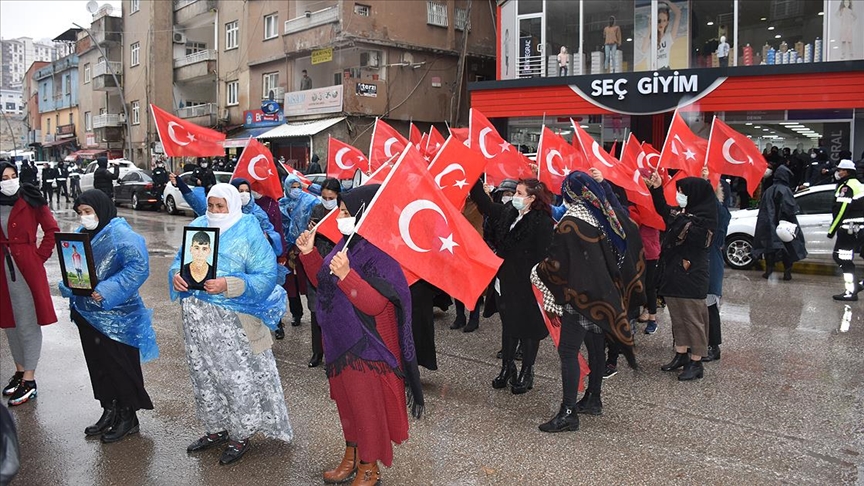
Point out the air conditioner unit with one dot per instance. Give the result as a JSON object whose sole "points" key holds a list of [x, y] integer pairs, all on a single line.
{"points": [[371, 59], [179, 38]]}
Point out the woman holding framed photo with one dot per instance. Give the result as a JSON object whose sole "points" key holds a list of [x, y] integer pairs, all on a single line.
{"points": [[25, 298], [115, 327]]}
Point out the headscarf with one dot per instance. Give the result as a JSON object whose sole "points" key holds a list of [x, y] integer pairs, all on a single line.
{"points": [[239, 181], [296, 212], [357, 197], [231, 196], [701, 199], [102, 162], [102, 205], [28, 192], [581, 188]]}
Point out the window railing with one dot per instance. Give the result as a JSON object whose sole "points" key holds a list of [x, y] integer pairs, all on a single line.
{"points": [[436, 14], [200, 56], [178, 4], [531, 66], [101, 68], [198, 110], [106, 120]]}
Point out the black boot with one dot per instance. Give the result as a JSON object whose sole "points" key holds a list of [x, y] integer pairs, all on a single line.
{"points": [[104, 423], [524, 382], [459, 323], [678, 361], [692, 371], [566, 419], [125, 423], [473, 324], [507, 374], [590, 404], [315, 360], [713, 354], [280, 331]]}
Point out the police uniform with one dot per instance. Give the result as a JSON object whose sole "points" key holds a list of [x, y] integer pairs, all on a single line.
{"points": [[848, 212]]}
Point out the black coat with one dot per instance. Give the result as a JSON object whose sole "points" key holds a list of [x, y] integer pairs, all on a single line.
{"points": [[29, 173], [203, 178], [49, 174], [778, 203], [521, 248], [160, 176], [103, 179]]}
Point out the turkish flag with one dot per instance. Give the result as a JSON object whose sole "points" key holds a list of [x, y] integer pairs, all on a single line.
{"points": [[731, 153], [455, 169], [627, 178], [415, 135], [385, 146], [256, 166], [553, 324], [460, 134], [381, 173], [633, 158], [345, 160], [328, 228], [503, 161], [411, 220], [556, 159], [434, 142], [683, 149], [181, 138]]}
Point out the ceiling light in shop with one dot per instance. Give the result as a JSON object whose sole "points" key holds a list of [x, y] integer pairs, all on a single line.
{"points": [[749, 124], [795, 125], [629, 39], [788, 123], [710, 23], [771, 27], [584, 126], [758, 126], [821, 13], [777, 36], [763, 19], [764, 129]]}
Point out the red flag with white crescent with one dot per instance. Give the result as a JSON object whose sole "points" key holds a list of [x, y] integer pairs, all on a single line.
{"points": [[182, 138], [256, 166], [556, 159], [503, 161], [455, 169], [385, 146], [683, 149], [434, 142], [344, 160], [731, 153]]}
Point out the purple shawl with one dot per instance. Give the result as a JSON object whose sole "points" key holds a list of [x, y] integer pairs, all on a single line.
{"points": [[271, 207], [351, 336]]}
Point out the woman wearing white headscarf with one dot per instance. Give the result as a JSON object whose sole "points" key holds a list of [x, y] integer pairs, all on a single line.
{"points": [[234, 376]]}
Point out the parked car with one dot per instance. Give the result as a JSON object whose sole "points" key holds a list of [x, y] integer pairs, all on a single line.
{"points": [[136, 189], [87, 176], [174, 201], [814, 219]]}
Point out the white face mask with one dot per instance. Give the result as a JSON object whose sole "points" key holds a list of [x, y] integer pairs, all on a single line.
{"points": [[213, 219], [10, 187], [506, 199], [346, 225], [89, 221], [518, 203], [836, 176], [256, 195], [245, 197], [681, 199], [329, 204]]}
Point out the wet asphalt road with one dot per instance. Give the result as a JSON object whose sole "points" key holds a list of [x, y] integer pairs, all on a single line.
{"points": [[784, 405]]}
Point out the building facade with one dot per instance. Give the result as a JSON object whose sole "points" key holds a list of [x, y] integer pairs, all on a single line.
{"points": [[58, 89], [16, 56], [11, 101]]}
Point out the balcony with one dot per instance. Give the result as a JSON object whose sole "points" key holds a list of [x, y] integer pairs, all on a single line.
{"points": [[195, 67], [101, 68], [106, 120], [102, 79], [318, 18], [204, 115], [107, 30], [187, 10], [66, 131]]}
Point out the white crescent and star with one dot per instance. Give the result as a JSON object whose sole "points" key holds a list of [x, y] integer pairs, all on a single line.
{"points": [[408, 214], [648, 160], [341, 153], [595, 147], [550, 157], [483, 148], [726, 155], [388, 146], [173, 136], [251, 167], [451, 168]]}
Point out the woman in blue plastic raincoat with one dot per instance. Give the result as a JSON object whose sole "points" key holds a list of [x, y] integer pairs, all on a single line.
{"points": [[115, 327], [234, 376], [249, 206]]}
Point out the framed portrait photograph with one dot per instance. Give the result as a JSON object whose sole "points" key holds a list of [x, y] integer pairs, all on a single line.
{"points": [[200, 255], [76, 262]]}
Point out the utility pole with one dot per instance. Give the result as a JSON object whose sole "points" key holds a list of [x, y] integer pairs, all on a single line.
{"points": [[460, 71]]}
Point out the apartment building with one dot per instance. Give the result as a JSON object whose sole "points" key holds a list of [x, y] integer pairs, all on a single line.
{"points": [[11, 101], [58, 88], [16, 56], [32, 118]]}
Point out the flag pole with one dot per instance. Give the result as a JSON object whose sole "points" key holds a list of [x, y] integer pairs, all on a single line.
{"points": [[371, 142], [710, 134]]}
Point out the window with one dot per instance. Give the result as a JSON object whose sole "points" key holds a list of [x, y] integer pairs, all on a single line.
{"points": [[133, 53], [49, 125], [436, 14], [102, 111], [232, 93], [270, 82], [461, 19], [815, 203], [10, 106], [364, 10], [87, 73], [192, 47], [88, 121], [68, 83], [231, 31], [136, 5], [136, 113], [71, 119], [270, 28]]}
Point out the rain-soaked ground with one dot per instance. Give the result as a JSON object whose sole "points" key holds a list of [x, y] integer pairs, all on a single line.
{"points": [[782, 406]]}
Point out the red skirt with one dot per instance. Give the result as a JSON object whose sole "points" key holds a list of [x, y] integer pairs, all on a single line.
{"points": [[296, 282]]}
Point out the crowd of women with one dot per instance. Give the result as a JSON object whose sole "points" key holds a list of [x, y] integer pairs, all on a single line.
{"points": [[598, 268]]}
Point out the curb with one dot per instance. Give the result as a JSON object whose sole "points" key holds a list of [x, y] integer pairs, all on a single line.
{"points": [[808, 268]]}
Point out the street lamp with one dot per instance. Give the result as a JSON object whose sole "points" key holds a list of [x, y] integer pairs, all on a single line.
{"points": [[127, 141]]}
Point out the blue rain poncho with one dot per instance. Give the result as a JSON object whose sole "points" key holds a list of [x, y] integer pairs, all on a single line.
{"points": [[255, 210], [295, 211], [122, 265], [243, 253]]}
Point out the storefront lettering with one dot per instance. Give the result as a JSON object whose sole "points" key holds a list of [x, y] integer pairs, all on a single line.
{"points": [[647, 85]]}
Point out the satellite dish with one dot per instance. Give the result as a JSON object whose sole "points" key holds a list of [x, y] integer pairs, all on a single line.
{"points": [[108, 8], [92, 6]]}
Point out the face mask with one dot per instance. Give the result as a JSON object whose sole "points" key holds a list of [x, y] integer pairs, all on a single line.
{"points": [[295, 193], [256, 195], [768, 172], [329, 204], [681, 199], [346, 225], [89, 221], [204, 166], [836, 176], [506, 199], [518, 203], [160, 165], [10, 187], [213, 219], [812, 156], [245, 197]]}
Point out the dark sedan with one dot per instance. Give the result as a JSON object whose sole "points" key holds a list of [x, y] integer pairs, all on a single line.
{"points": [[136, 188]]}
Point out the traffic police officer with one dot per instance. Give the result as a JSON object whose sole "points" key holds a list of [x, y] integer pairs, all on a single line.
{"points": [[848, 211], [160, 177]]}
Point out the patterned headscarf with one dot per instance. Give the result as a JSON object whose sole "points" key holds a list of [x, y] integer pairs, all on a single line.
{"points": [[581, 188]]}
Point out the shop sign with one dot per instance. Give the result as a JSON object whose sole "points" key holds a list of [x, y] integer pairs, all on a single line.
{"points": [[367, 89], [322, 55], [645, 93], [751, 116], [90, 140], [314, 101], [836, 137], [257, 118]]}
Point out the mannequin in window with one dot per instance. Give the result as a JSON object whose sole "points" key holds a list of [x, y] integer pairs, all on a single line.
{"points": [[723, 52], [562, 62], [612, 40]]}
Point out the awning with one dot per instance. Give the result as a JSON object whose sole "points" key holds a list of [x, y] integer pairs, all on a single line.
{"points": [[241, 137], [85, 154], [58, 142], [301, 129]]}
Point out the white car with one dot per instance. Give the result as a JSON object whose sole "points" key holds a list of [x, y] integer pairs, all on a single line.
{"points": [[87, 177], [173, 198], [814, 219]]}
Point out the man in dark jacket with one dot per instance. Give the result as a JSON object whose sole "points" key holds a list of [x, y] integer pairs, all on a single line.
{"points": [[314, 167], [819, 171], [29, 172], [203, 175], [103, 180], [160, 177], [62, 175], [49, 178]]}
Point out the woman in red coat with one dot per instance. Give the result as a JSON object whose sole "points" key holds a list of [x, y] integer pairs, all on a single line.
{"points": [[25, 299]]}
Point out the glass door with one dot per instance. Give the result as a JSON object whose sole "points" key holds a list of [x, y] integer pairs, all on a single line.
{"points": [[531, 47]]}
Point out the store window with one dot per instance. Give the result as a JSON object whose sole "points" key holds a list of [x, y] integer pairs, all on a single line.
{"points": [[709, 23], [845, 24], [780, 32], [609, 35], [562, 38]]}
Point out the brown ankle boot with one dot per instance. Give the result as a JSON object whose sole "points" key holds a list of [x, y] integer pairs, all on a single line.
{"points": [[345, 469], [367, 475]]}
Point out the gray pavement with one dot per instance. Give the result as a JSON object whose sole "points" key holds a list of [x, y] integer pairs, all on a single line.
{"points": [[784, 405]]}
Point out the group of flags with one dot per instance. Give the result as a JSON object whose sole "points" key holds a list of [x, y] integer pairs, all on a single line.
{"points": [[416, 215]]}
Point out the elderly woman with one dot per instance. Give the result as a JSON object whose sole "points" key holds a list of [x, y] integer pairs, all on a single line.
{"points": [[296, 208], [115, 327], [684, 267], [234, 376], [25, 298], [364, 309]]}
